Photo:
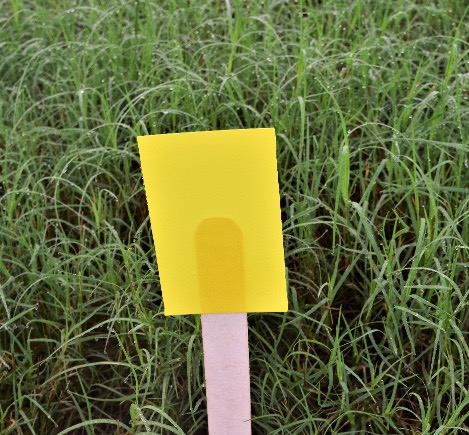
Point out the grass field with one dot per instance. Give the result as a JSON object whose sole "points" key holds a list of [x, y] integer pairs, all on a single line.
{"points": [[369, 99]]}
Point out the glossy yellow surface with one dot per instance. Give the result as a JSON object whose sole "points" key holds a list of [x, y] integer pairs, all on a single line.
{"points": [[214, 206]]}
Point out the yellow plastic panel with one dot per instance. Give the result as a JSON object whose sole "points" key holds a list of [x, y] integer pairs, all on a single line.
{"points": [[214, 206]]}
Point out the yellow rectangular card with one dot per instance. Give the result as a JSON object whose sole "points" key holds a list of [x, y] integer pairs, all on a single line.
{"points": [[214, 205]]}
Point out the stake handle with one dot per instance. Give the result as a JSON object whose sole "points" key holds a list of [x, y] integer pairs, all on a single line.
{"points": [[226, 353]]}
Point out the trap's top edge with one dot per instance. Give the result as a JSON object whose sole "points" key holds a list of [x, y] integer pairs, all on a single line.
{"points": [[206, 131]]}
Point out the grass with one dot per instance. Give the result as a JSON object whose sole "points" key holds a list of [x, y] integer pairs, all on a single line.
{"points": [[369, 99]]}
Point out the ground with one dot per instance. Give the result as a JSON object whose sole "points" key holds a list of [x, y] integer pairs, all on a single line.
{"points": [[369, 99]]}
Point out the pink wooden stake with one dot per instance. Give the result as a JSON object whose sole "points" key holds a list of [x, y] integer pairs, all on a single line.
{"points": [[226, 353]]}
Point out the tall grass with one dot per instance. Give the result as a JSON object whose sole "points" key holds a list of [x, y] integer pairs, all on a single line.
{"points": [[370, 104]]}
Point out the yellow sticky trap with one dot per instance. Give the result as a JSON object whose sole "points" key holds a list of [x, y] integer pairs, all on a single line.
{"points": [[214, 206]]}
